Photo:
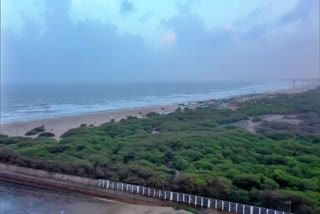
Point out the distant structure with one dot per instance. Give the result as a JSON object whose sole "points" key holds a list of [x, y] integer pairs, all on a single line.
{"points": [[294, 84]]}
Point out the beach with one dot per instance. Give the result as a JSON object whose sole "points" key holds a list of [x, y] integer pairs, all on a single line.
{"points": [[60, 125]]}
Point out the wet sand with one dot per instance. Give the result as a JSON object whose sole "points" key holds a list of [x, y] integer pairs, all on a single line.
{"points": [[16, 199]]}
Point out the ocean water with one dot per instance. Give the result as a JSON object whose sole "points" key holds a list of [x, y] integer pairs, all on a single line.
{"points": [[42, 101]]}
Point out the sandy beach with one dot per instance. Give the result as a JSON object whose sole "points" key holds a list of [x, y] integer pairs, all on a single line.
{"points": [[58, 126]]}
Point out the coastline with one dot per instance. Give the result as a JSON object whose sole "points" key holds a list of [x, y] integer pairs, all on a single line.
{"points": [[60, 125]]}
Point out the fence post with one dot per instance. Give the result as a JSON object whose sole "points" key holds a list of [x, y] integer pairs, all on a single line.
{"points": [[195, 200], [189, 199], [209, 203], [236, 207], [177, 197], [222, 205], [170, 196], [229, 207], [201, 201], [216, 203], [243, 206], [103, 183], [251, 209]]}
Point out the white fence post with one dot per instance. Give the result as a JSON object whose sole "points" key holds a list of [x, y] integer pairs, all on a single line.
{"points": [[222, 205], [236, 207], [209, 203], [215, 203], [195, 200], [251, 209], [229, 207], [170, 196]]}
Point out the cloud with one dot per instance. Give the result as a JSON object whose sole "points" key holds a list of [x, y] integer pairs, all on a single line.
{"points": [[92, 50], [169, 38], [126, 7]]}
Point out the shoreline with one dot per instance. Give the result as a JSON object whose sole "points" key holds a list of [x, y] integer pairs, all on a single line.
{"points": [[60, 125]]}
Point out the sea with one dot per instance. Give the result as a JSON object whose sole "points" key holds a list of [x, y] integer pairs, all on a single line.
{"points": [[28, 102]]}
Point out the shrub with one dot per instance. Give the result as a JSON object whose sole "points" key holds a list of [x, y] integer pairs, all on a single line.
{"points": [[31, 132], [83, 125], [247, 181], [256, 119], [46, 134], [39, 129], [35, 131], [152, 114]]}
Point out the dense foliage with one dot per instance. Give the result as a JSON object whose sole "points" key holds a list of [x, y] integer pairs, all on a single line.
{"points": [[196, 151]]}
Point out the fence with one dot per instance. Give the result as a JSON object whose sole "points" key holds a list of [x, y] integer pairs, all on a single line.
{"points": [[187, 199]]}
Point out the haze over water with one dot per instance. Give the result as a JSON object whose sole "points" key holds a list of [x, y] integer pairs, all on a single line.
{"points": [[42, 101]]}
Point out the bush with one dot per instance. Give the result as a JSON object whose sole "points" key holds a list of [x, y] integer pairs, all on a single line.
{"points": [[247, 181], [152, 114], [83, 125], [46, 134], [39, 129], [31, 132], [256, 119], [35, 131]]}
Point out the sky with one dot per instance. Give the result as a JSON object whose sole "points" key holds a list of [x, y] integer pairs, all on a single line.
{"points": [[63, 41]]}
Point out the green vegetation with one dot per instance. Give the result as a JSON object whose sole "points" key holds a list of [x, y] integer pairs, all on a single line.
{"points": [[197, 151], [35, 131], [46, 134], [31, 133]]}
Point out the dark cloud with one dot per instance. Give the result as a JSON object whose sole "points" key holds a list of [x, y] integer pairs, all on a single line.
{"points": [[126, 7]]}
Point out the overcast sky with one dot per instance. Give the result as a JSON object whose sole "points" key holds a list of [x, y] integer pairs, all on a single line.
{"points": [[144, 40]]}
